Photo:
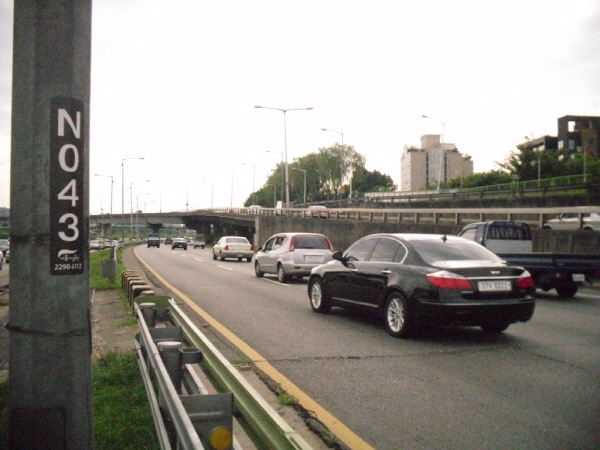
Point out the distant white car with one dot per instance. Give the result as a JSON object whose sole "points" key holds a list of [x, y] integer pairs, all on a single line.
{"points": [[571, 222], [318, 211], [233, 247]]}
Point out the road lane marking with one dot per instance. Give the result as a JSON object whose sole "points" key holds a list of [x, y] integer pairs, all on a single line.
{"points": [[276, 282], [226, 268], [340, 430]]}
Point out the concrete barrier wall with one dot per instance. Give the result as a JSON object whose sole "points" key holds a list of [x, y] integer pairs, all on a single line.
{"points": [[344, 233]]}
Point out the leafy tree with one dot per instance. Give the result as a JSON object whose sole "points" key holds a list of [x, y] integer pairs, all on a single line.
{"points": [[328, 174], [366, 181], [489, 178], [527, 164]]}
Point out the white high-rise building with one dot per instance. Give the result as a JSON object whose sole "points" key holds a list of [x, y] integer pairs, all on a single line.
{"points": [[435, 162]]}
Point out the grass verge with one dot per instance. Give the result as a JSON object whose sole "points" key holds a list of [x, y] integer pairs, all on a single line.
{"points": [[121, 414], [122, 417]]}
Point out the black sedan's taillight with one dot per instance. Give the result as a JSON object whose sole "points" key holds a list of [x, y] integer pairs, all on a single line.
{"points": [[448, 280]]}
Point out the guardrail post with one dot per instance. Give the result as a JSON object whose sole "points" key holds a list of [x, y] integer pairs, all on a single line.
{"points": [[149, 313], [169, 352]]}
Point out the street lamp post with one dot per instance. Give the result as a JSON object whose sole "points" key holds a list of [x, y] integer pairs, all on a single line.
{"points": [[302, 170], [111, 195], [123, 197], [442, 152], [253, 181], [131, 203], [287, 183], [341, 163]]}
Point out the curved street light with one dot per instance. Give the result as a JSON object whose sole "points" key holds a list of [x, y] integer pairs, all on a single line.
{"points": [[287, 181]]}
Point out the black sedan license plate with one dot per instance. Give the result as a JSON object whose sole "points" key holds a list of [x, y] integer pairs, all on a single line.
{"points": [[490, 286]]}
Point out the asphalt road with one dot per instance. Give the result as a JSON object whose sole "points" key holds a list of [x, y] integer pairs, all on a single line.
{"points": [[533, 387]]}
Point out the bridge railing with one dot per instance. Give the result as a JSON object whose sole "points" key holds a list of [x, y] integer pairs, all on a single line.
{"points": [[453, 216]]}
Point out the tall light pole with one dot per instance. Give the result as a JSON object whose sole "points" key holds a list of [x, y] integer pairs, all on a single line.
{"points": [[282, 176], [287, 181], [123, 197], [341, 163], [302, 170], [253, 181], [131, 202], [212, 185], [442, 152], [112, 182]]}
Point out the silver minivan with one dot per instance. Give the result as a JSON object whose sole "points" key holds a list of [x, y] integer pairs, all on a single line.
{"points": [[292, 255]]}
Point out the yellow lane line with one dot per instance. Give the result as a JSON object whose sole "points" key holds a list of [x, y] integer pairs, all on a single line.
{"points": [[343, 433]]}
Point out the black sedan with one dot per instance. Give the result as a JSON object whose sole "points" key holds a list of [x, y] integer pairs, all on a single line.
{"points": [[414, 279]]}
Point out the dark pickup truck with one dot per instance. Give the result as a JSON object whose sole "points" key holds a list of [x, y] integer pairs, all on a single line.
{"points": [[153, 240], [512, 242]]}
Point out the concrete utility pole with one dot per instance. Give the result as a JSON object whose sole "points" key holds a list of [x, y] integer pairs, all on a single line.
{"points": [[50, 382]]}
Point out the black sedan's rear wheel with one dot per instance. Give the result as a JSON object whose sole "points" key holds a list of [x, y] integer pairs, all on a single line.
{"points": [[319, 302], [398, 320]]}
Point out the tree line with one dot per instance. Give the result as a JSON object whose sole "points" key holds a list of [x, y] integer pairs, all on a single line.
{"points": [[335, 172], [328, 174]]}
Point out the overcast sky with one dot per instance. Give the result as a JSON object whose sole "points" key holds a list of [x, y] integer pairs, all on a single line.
{"points": [[176, 83]]}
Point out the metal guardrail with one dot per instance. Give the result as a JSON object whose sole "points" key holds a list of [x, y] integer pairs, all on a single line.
{"points": [[190, 420], [179, 418], [453, 216]]}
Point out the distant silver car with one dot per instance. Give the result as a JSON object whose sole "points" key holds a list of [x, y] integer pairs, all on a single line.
{"points": [[571, 222], [179, 243], [292, 255], [233, 247]]}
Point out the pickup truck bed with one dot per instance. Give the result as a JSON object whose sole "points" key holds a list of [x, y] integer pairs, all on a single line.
{"points": [[512, 242], [564, 272]]}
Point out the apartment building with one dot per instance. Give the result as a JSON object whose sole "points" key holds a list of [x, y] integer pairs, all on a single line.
{"points": [[435, 162]]}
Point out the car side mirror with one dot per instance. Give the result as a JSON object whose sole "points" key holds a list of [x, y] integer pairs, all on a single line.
{"points": [[338, 256]]}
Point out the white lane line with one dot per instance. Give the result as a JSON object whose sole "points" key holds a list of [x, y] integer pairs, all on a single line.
{"points": [[276, 282], [223, 267]]}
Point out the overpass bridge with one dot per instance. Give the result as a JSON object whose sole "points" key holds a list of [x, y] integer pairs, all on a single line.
{"points": [[345, 225]]}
